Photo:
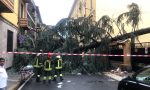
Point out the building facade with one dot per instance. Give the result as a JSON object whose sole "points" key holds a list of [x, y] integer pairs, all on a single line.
{"points": [[8, 28], [29, 18], [83, 8], [16, 16]]}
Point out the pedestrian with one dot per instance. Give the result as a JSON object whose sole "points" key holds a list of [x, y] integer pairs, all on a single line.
{"points": [[3, 75], [58, 68], [47, 70], [38, 67]]}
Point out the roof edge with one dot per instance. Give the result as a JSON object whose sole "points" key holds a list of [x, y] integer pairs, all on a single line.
{"points": [[73, 6]]}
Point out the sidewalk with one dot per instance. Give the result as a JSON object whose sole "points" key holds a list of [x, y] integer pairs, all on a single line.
{"points": [[114, 76], [13, 80]]}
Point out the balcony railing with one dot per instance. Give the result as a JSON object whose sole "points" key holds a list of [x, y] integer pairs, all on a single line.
{"points": [[23, 22], [31, 23], [26, 23], [7, 6], [142, 45]]}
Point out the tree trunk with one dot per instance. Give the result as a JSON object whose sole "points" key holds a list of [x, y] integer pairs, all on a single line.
{"points": [[127, 61]]}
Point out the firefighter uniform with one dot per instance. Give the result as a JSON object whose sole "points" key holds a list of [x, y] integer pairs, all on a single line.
{"points": [[47, 70], [37, 68], [58, 68]]}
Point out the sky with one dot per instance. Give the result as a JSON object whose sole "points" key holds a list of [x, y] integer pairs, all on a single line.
{"points": [[54, 10]]}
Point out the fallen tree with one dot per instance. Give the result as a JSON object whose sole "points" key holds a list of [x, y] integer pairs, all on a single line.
{"points": [[121, 37]]}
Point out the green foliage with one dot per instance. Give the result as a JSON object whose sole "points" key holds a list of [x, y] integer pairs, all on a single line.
{"points": [[70, 34], [21, 59], [132, 17]]}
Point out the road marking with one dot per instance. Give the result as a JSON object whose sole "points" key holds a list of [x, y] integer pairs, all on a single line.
{"points": [[111, 80], [59, 86], [60, 83], [68, 81]]}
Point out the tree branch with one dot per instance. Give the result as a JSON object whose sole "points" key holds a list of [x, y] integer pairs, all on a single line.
{"points": [[121, 37]]}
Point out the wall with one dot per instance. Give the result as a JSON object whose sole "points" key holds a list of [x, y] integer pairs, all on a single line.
{"points": [[4, 26], [82, 8]]}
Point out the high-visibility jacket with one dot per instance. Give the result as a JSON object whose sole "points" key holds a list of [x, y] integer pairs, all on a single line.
{"points": [[47, 65], [58, 64], [37, 63]]}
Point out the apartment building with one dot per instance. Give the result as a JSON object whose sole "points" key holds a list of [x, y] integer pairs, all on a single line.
{"points": [[29, 17], [16, 16], [8, 28], [113, 8], [83, 8]]}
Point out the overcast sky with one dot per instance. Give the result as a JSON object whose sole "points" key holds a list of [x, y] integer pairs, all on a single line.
{"points": [[54, 10]]}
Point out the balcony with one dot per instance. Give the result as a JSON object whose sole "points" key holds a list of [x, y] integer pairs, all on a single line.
{"points": [[23, 22], [6, 6], [26, 23]]}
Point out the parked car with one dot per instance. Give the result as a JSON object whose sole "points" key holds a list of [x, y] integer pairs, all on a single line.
{"points": [[26, 71], [138, 81]]}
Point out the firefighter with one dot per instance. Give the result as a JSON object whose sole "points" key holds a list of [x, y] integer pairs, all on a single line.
{"points": [[58, 68], [37, 67], [47, 70], [41, 57]]}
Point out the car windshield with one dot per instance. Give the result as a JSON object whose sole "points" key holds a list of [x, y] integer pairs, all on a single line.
{"points": [[144, 76]]}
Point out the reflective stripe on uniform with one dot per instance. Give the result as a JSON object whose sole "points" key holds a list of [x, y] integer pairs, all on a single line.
{"points": [[58, 68], [36, 66], [49, 78], [61, 75], [55, 76], [47, 68], [44, 78], [59, 64], [37, 63]]}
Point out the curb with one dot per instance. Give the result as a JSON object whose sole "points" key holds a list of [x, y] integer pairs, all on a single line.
{"points": [[22, 85]]}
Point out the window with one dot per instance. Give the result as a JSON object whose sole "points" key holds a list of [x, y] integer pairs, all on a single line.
{"points": [[22, 11], [144, 76], [80, 6], [91, 6], [9, 41]]}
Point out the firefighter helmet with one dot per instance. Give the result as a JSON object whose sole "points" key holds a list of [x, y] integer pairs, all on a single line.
{"points": [[49, 55]]}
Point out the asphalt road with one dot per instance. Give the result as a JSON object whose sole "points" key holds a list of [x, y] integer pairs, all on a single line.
{"points": [[76, 82]]}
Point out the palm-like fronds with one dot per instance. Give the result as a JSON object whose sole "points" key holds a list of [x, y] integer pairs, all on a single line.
{"points": [[106, 24], [132, 16]]}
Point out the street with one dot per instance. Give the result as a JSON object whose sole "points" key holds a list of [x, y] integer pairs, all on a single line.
{"points": [[76, 82]]}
